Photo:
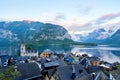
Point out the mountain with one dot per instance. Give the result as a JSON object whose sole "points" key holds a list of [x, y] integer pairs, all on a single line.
{"points": [[93, 36], [115, 38], [109, 35], [51, 32], [11, 32]]}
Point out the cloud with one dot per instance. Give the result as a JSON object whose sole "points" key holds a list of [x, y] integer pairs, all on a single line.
{"points": [[77, 24], [115, 23], [100, 21], [107, 17], [59, 17], [107, 20], [88, 24], [3, 19], [82, 26], [84, 10]]}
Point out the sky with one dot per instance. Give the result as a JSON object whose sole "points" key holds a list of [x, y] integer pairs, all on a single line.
{"points": [[77, 16]]}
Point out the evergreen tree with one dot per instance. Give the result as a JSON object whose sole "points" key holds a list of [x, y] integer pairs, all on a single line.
{"points": [[9, 73]]}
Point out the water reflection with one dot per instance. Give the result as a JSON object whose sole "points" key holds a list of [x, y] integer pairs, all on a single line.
{"points": [[56, 48], [109, 54], [106, 53]]}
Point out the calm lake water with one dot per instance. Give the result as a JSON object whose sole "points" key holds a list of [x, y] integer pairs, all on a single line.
{"points": [[105, 52]]}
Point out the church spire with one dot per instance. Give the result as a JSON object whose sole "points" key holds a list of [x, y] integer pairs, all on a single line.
{"points": [[22, 46], [23, 38]]}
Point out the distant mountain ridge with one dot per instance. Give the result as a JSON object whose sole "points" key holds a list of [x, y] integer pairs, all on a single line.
{"points": [[115, 38], [110, 35], [31, 30]]}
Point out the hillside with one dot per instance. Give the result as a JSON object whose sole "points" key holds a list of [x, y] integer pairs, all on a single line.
{"points": [[13, 31], [51, 32]]}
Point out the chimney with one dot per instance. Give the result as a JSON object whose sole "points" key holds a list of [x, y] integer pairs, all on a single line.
{"points": [[73, 72], [15, 68], [73, 68], [93, 76]]}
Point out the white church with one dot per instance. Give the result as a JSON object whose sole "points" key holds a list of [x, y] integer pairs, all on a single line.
{"points": [[30, 53]]}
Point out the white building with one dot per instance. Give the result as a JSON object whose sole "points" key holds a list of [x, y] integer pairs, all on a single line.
{"points": [[30, 53]]}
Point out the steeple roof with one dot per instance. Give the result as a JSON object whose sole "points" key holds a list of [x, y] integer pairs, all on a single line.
{"points": [[22, 39]]}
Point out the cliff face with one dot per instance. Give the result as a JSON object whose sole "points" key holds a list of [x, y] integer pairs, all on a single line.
{"points": [[51, 32], [32, 31]]}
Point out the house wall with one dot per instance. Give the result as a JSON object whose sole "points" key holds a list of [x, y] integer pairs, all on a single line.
{"points": [[95, 63], [31, 54], [45, 54], [55, 76]]}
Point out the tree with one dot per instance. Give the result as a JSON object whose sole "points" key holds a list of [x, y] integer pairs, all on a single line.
{"points": [[118, 66], [28, 47], [9, 73]]}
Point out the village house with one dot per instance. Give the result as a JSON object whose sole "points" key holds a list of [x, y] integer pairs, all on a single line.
{"points": [[47, 53]]}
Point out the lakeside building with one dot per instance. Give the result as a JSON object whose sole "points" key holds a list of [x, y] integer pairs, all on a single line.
{"points": [[24, 52], [47, 53]]}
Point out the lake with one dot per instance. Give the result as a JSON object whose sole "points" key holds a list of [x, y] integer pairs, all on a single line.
{"points": [[105, 52]]}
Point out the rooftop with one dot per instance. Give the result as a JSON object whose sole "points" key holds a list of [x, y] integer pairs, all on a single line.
{"points": [[28, 71], [50, 64], [65, 72]]}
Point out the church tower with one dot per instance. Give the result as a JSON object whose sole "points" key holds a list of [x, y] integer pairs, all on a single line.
{"points": [[22, 49]]}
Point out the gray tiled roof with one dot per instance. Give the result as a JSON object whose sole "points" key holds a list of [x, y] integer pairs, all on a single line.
{"points": [[118, 77], [101, 75], [28, 70], [50, 64], [62, 63], [92, 69], [116, 74], [85, 61], [65, 73], [51, 72]]}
